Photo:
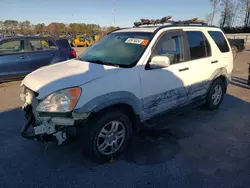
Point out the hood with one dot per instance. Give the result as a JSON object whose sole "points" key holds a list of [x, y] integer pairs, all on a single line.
{"points": [[71, 73]]}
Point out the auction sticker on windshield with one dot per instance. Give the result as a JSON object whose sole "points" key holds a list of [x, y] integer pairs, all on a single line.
{"points": [[134, 41]]}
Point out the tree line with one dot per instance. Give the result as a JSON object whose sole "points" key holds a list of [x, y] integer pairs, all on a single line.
{"points": [[233, 15], [26, 27]]}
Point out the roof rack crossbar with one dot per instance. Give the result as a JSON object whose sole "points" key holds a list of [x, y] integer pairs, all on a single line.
{"points": [[153, 22], [168, 19]]}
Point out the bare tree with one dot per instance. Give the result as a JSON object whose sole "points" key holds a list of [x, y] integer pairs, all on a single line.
{"points": [[215, 4], [227, 13], [208, 18], [246, 6]]}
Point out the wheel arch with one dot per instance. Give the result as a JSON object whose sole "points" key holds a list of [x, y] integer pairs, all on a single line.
{"points": [[123, 101], [127, 109], [222, 74]]}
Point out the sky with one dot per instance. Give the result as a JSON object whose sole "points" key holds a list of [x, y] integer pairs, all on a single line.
{"points": [[101, 11]]}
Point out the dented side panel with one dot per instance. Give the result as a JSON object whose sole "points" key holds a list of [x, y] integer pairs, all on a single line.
{"points": [[158, 103]]}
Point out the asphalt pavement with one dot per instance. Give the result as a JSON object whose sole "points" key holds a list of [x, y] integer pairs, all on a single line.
{"points": [[209, 149]]}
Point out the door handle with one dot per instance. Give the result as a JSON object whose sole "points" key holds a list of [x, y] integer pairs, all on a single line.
{"points": [[180, 70], [214, 62]]}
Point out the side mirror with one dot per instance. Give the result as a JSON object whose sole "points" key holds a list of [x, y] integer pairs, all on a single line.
{"points": [[159, 62]]}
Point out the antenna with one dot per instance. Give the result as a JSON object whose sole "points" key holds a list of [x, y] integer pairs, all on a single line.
{"points": [[114, 13]]}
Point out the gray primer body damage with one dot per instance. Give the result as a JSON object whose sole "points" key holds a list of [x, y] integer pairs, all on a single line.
{"points": [[156, 104], [161, 102]]}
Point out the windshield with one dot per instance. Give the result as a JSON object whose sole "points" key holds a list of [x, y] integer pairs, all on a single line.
{"points": [[122, 49]]}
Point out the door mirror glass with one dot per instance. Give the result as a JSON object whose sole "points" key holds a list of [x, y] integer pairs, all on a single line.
{"points": [[159, 62]]}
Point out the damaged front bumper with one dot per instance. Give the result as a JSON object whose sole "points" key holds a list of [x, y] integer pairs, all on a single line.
{"points": [[47, 130], [47, 127]]}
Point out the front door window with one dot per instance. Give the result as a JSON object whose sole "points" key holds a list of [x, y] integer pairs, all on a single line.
{"points": [[13, 46]]}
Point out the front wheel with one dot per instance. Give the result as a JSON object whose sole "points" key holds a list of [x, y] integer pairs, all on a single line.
{"points": [[215, 94], [106, 136]]}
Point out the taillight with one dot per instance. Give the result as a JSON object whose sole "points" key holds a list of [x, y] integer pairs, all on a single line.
{"points": [[73, 52]]}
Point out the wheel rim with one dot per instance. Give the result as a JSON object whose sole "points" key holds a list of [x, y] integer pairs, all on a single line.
{"points": [[217, 95], [111, 137]]}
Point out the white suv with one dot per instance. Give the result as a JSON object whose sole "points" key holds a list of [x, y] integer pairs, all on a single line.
{"points": [[132, 77]]}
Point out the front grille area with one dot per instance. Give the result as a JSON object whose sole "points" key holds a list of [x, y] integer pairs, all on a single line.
{"points": [[34, 105], [30, 99]]}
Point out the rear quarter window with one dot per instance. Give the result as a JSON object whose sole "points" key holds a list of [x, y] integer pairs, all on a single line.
{"points": [[220, 40], [63, 43]]}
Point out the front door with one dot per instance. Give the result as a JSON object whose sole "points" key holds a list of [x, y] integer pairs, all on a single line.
{"points": [[165, 88], [13, 59]]}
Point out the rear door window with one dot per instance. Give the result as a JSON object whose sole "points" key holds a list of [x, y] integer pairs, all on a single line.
{"points": [[41, 45], [13, 46], [198, 45], [220, 40]]}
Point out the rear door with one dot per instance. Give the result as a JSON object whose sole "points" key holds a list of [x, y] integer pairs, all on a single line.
{"points": [[42, 52], [221, 52], [14, 61], [199, 64]]}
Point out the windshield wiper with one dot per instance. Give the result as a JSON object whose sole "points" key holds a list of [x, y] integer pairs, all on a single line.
{"points": [[104, 63], [99, 62]]}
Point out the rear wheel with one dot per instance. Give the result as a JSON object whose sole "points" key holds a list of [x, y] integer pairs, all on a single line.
{"points": [[215, 94], [106, 136]]}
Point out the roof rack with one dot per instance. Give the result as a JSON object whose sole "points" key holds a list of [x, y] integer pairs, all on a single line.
{"points": [[168, 20]]}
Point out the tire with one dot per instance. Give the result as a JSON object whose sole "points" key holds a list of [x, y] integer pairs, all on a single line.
{"points": [[235, 51], [211, 102], [91, 140]]}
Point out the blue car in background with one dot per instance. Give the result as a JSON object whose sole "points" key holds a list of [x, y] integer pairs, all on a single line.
{"points": [[21, 55]]}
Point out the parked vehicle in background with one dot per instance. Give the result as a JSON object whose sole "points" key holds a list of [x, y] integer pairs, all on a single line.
{"points": [[46, 34], [70, 39], [93, 39], [80, 40], [132, 77], [237, 45], [22, 55], [63, 34], [8, 34]]}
